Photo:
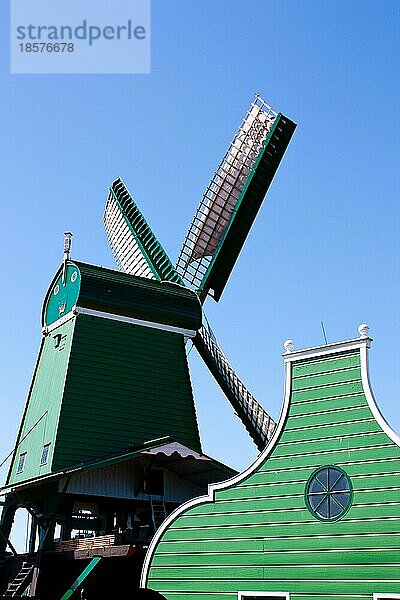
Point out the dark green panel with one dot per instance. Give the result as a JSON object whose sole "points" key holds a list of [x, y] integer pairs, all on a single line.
{"points": [[111, 291], [126, 384]]}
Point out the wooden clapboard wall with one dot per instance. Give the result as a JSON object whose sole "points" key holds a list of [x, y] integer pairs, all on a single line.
{"points": [[257, 534]]}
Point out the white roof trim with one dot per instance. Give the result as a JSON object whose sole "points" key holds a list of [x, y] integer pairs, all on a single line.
{"points": [[49, 328], [189, 333], [318, 351], [372, 403]]}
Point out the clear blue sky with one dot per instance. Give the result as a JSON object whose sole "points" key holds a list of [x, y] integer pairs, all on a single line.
{"points": [[326, 242]]}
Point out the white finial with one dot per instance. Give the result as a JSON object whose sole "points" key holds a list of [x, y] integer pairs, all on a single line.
{"points": [[288, 345], [363, 330]]}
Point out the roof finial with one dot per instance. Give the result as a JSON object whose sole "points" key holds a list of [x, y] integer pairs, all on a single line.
{"points": [[67, 249], [288, 345], [67, 244], [363, 330]]}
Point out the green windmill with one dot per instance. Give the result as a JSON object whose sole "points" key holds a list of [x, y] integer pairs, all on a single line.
{"points": [[109, 440], [213, 242]]}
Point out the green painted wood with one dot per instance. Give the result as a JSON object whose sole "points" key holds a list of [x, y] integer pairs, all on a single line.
{"points": [[344, 376], [319, 366], [339, 557], [292, 544], [40, 420], [376, 439], [259, 535], [111, 291], [79, 580], [126, 384]]}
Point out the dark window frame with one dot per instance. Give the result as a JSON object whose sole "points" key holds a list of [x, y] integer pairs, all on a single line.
{"points": [[326, 504], [21, 462], [45, 454]]}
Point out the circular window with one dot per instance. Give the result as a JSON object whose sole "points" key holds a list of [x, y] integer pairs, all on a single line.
{"points": [[328, 493], [56, 290], [74, 276]]}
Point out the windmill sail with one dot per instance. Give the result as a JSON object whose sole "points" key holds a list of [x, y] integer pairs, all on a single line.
{"points": [[233, 198], [257, 421], [135, 248]]}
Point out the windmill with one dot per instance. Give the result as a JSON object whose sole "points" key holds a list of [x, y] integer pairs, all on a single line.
{"points": [[213, 242]]}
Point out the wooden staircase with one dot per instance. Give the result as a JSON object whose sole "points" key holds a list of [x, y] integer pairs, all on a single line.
{"points": [[19, 584]]}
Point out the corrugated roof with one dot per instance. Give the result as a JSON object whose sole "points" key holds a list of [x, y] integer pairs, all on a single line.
{"points": [[199, 468]]}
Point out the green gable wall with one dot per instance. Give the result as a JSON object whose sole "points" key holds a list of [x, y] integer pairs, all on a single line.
{"points": [[39, 425], [257, 534]]}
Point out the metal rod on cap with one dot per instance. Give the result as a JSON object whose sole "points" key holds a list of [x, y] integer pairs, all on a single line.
{"points": [[67, 249]]}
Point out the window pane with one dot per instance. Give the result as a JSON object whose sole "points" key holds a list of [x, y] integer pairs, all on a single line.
{"points": [[316, 487], [334, 508], [341, 484], [323, 509], [322, 477]]}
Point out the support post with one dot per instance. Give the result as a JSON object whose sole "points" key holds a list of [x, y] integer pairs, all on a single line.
{"points": [[6, 522]]}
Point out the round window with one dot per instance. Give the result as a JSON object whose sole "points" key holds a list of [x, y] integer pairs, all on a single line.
{"points": [[74, 276], [56, 290], [328, 493]]}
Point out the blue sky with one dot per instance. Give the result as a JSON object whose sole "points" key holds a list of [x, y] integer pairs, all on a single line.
{"points": [[325, 245]]}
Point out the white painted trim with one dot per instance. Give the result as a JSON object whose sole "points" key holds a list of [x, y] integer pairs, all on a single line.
{"points": [[105, 315], [244, 595], [319, 351], [387, 596], [371, 400], [48, 329], [213, 487]]}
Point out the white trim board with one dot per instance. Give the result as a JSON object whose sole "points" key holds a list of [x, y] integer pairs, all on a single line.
{"points": [[79, 310], [386, 596], [244, 595]]}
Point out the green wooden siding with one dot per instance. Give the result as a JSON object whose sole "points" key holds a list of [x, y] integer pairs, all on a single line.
{"points": [[39, 425], [126, 384], [111, 291], [258, 534]]}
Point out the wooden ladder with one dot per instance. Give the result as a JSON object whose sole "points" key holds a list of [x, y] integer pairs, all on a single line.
{"points": [[158, 511], [19, 584]]}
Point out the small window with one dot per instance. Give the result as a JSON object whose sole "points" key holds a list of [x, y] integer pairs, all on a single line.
{"points": [[45, 454], [21, 462], [328, 493]]}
